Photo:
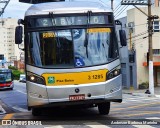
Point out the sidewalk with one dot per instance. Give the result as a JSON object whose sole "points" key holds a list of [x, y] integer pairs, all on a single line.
{"points": [[141, 92]]}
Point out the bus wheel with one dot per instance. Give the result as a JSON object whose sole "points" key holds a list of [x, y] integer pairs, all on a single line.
{"points": [[104, 108], [36, 111]]}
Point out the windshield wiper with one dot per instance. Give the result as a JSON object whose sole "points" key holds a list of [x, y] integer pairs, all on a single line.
{"points": [[52, 19], [87, 32], [54, 27]]}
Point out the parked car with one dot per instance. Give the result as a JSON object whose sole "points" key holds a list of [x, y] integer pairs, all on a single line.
{"points": [[22, 78]]}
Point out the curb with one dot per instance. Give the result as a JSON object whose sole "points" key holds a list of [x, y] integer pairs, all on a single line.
{"points": [[141, 94]]}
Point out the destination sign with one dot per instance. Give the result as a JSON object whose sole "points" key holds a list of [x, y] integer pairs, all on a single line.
{"points": [[39, 1], [48, 35], [67, 21]]}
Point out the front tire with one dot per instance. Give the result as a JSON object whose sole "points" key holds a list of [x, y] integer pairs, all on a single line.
{"points": [[36, 111], [104, 108]]}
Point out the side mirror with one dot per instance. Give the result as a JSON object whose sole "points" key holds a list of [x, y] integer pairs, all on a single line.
{"points": [[12, 76], [123, 39], [18, 34]]}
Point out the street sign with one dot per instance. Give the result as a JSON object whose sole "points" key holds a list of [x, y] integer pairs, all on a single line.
{"points": [[39, 1], [134, 2]]}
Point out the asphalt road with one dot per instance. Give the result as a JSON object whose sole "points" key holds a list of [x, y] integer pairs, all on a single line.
{"points": [[133, 108], [15, 99]]}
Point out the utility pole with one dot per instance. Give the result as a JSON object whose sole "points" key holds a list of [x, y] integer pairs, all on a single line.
{"points": [[112, 4], [150, 29], [130, 38]]}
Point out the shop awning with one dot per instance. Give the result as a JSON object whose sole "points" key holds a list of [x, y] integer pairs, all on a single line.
{"points": [[154, 64]]}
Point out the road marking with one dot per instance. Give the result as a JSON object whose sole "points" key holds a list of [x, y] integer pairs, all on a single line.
{"points": [[145, 100], [8, 116], [153, 118], [137, 106], [133, 111], [21, 92], [95, 125], [20, 109], [143, 126], [141, 98], [139, 114], [158, 96], [57, 126], [136, 99], [2, 111]]}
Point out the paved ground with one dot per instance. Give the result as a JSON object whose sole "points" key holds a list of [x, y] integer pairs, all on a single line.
{"points": [[141, 92], [137, 107], [134, 110]]}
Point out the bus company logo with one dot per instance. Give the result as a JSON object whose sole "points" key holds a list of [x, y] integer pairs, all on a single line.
{"points": [[51, 80], [6, 122]]}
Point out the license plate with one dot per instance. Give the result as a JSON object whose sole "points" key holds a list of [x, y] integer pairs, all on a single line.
{"points": [[77, 97]]}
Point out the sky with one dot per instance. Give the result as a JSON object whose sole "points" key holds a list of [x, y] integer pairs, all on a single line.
{"points": [[17, 10]]}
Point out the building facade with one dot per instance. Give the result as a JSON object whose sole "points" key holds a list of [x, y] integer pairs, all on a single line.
{"points": [[138, 42], [128, 64], [8, 48]]}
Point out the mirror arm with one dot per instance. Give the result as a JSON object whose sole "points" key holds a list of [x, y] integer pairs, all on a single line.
{"points": [[117, 22], [20, 21]]}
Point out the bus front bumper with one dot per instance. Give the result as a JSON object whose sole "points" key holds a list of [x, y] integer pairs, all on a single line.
{"points": [[40, 95], [6, 86]]}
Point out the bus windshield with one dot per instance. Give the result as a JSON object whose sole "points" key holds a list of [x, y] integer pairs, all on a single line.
{"points": [[5, 77], [68, 49]]}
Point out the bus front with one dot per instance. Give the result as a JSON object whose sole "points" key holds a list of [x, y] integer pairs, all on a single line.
{"points": [[72, 59], [6, 80]]}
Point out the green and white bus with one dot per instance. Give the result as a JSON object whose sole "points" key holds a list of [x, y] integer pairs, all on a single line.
{"points": [[71, 55]]}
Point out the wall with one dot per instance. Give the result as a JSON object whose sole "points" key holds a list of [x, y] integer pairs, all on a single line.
{"points": [[141, 43], [7, 42], [124, 55]]}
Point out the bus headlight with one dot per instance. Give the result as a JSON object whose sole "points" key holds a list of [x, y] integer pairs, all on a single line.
{"points": [[35, 78], [115, 72], [32, 78]]}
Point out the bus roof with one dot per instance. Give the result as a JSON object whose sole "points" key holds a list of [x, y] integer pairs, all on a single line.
{"points": [[67, 7]]}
